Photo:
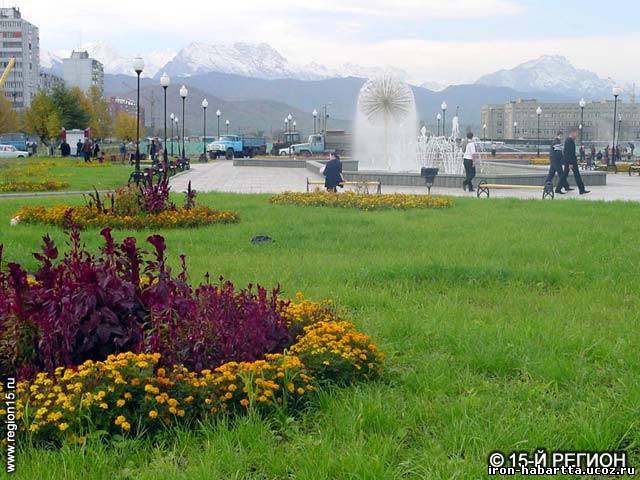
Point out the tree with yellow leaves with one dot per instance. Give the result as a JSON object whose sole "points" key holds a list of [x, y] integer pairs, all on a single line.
{"points": [[42, 118], [9, 118], [125, 127]]}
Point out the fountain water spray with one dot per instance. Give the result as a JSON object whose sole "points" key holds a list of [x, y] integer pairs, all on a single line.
{"points": [[386, 125]]}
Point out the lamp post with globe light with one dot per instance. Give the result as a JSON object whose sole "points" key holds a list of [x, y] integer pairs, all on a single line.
{"points": [[484, 132], [515, 130], [538, 113], [205, 104], [218, 113], [138, 66], [582, 104], [172, 118], [443, 107], [315, 119], [286, 125], [438, 117], [165, 81], [183, 94], [176, 120], [616, 93], [227, 122]]}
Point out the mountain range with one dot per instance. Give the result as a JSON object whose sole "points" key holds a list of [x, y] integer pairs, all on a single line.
{"points": [[552, 73], [241, 74], [252, 60]]}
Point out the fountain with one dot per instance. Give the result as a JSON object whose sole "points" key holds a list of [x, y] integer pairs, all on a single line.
{"points": [[385, 128]]}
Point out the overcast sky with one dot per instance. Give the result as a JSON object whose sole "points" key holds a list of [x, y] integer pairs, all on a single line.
{"points": [[447, 41]]}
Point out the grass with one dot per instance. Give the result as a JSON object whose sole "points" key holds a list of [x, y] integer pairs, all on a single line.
{"points": [[71, 170], [508, 324]]}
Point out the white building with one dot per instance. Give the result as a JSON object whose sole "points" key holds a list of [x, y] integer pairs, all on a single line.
{"points": [[21, 40], [81, 71]]}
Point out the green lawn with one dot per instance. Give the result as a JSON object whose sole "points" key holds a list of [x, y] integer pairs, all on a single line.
{"points": [[71, 170], [509, 325]]}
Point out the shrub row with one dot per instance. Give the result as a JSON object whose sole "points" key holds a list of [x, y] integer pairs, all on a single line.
{"points": [[351, 199]]}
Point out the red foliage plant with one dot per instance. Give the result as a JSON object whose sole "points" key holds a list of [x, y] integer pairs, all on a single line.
{"points": [[84, 306]]}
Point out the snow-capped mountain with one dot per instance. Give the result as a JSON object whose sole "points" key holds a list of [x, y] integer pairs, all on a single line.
{"points": [[259, 61], [250, 60], [50, 62], [246, 59], [434, 86], [551, 73]]}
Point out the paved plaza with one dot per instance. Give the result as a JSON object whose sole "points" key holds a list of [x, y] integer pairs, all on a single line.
{"points": [[222, 176]]}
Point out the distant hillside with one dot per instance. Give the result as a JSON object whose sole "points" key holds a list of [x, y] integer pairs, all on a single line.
{"points": [[274, 99]]}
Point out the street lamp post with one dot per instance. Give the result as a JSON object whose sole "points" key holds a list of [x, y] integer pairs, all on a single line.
{"points": [[439, 117], [619, 130], [538, 113], [484, 132], [515, 130], [315, 118], [491, 122], [616, 93], [172, 119], [443, 106], [227, 123], [165, 81], [218, 113], [582, 104], [138, 66], [183, 93], [205, 104], [176, 120]]}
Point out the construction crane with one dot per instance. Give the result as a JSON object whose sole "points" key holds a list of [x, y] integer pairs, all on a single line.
{"points": [[7, 71]]}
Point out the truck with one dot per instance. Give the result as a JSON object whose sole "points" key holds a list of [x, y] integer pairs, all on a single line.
{"points": [[337, 141], [237, 146], [284, 141]]}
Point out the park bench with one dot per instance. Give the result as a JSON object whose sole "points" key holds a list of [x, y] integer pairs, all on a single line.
{"points": [[362, 185], [603, 167], [484, 188]]}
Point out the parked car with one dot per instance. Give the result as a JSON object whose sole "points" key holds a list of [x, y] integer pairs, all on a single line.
{"points": [[9, 151]]}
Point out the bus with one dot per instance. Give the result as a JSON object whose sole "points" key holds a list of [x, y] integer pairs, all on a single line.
{"points": [[18, 140]]}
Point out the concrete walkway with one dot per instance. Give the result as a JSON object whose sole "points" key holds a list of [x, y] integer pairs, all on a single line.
{"points": [[222, 176]]}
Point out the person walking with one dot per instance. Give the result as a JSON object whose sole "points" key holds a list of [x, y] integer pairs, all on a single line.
{"points": [[79, 148], [556, 164], [571, 162], [123, 151], [87, 149], [333, 173], [96, 149], [467, 160]]}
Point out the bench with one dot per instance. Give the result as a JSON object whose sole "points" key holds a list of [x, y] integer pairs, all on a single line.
{"points": [[607, 168], [634, 168], [364, 185], [484, 188]]}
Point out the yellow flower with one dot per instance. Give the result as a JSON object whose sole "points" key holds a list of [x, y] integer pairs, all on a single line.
{"points": [[153, 414], [244, 402], [103, 406], [120, 402], [125, 426], [63, 426], [120, 419]]}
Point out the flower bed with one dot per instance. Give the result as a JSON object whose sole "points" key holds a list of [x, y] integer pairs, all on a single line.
{"points": [[117, 343], [86, 217], [31, 186], [132, 208], [349, 199]]}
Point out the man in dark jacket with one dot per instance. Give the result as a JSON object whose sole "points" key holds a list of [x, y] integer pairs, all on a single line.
{"points": [[333, 173], [571, 161], [556, 164]]}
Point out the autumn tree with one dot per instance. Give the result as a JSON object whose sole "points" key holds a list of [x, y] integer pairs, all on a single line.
{"points": [[125, 127], [9, 118], [100, 121], [42, 118]]}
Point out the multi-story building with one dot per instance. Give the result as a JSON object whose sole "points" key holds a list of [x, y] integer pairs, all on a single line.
{"points": [[48, 81], [21, 40], [519, 120], [82, 71]]}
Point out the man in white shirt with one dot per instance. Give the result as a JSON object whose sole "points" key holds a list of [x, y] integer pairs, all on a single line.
{"points": [[469, 168]]}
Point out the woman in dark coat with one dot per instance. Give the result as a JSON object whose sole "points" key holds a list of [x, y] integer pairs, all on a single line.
{"points": [[333, 173]]}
